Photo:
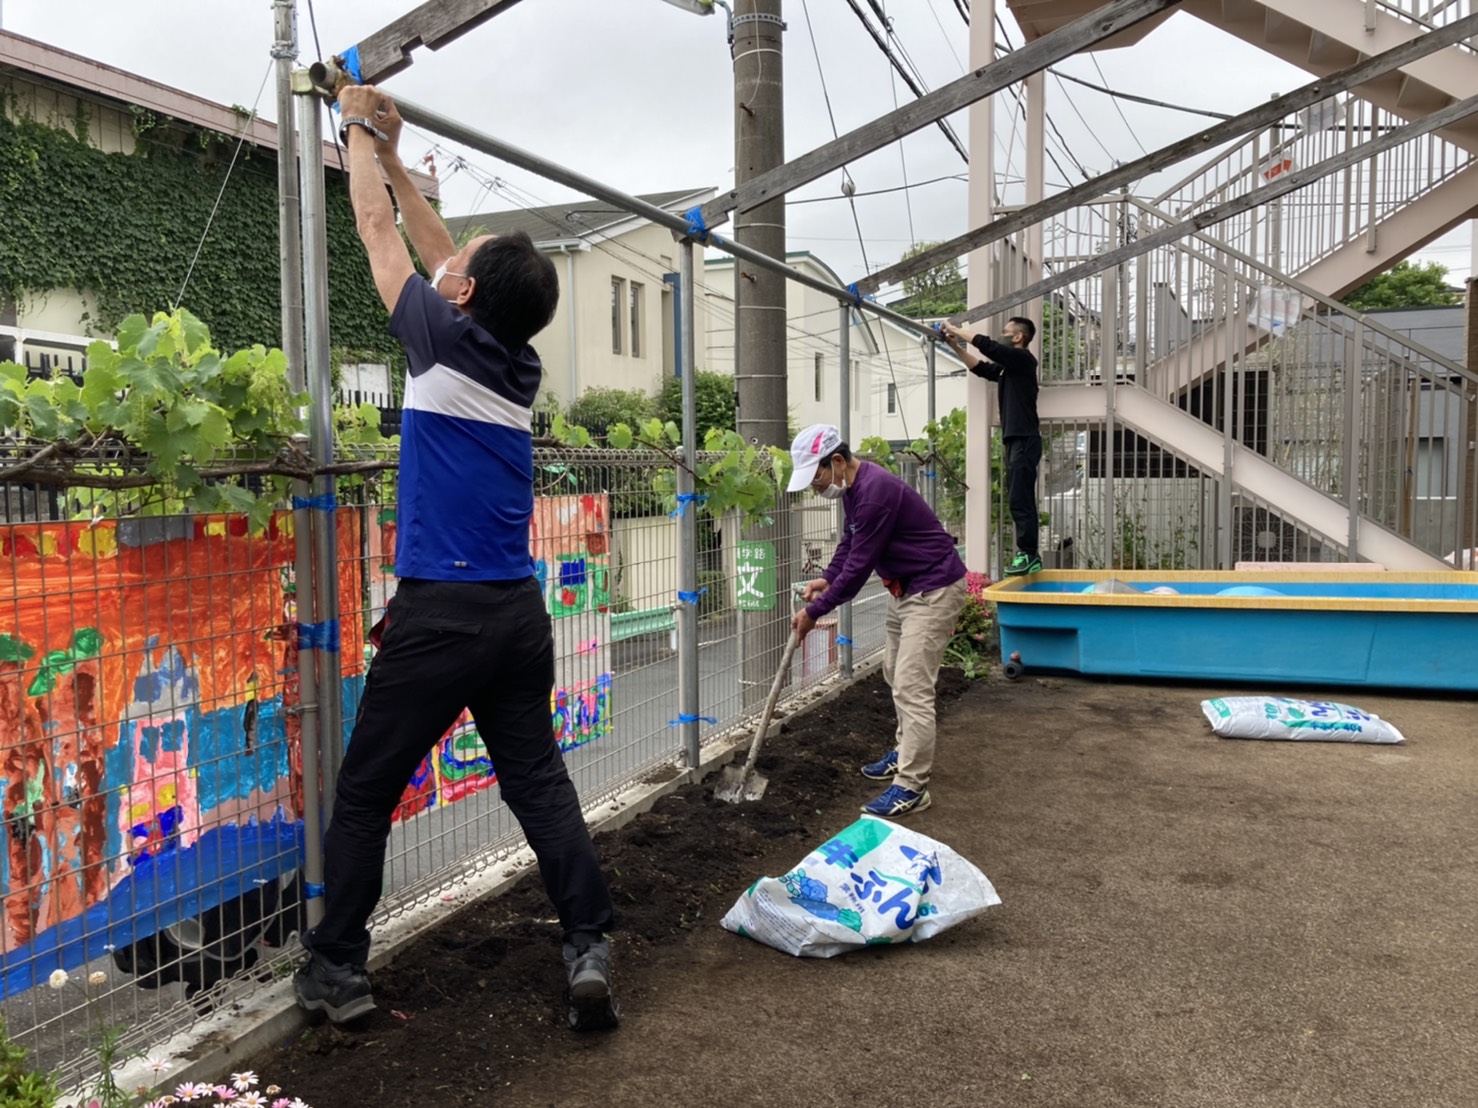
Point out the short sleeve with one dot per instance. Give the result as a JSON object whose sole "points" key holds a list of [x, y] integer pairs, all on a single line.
{"points": [[427, 325]]}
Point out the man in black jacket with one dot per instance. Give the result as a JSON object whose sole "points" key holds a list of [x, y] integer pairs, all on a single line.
{"points": [[1014, 368]]}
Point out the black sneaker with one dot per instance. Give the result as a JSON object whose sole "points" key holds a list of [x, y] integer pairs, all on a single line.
{"points": [[593, 1006], [343, 992]]}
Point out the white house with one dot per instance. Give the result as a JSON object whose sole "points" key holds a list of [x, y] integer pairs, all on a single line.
{"points": [[616, 322], [888, 365]]}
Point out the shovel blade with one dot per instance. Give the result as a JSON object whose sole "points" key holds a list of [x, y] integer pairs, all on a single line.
{"points": [[734, 789]]}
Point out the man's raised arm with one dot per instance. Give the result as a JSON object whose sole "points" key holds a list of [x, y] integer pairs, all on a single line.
{"points": [[374, 218], [428, 234]]}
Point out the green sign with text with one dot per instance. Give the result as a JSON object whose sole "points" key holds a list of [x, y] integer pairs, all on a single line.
{"points": [[754, 589]]}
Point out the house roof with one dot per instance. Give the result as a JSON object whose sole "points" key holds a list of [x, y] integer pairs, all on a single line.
{"points": [[40, 62], [574, 219]]}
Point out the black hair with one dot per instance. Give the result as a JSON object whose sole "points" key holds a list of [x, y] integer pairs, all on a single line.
{"points": [[517, 288], [843, 449], [1026, 325]]}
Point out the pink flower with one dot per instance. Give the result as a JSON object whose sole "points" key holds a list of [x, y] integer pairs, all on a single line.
{"points": [[282, 1102]]}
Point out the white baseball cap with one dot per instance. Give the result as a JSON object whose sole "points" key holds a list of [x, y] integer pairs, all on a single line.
{"points": [[816, 442]]}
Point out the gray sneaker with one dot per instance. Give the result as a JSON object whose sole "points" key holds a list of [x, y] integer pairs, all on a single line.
{"points": [[343, 992], [593, 1005]]}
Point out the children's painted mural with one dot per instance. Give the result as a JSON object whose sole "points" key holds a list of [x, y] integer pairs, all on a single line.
{"points": [[150, 758], [569, 541]]}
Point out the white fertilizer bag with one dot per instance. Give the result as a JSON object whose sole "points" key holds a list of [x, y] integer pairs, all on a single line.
{"points": [[1269, 717], [874, 883]]}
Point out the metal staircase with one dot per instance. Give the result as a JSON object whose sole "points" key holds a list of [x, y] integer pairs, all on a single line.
{"points": [[1223, 373]]}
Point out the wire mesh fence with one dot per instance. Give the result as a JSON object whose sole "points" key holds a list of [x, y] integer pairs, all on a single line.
{"points": [[151, 747]]}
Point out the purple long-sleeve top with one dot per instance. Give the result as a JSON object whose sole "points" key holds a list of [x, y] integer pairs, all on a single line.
{"points": [[890, 529]]}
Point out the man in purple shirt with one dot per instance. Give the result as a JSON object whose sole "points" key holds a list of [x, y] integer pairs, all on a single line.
{"points": [[891, 530]]}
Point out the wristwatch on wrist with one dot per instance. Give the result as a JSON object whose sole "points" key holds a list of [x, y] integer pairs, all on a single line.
{"points": [[360, 121]]}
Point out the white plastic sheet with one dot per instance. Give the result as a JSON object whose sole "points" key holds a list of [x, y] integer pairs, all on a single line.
{"points": [[873, 883]]}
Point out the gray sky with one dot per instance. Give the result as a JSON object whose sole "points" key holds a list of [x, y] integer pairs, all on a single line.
{"points": [[639, 94]]}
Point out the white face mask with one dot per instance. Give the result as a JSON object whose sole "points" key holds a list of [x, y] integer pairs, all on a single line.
{"points": [[834, 490], [438, 275]]}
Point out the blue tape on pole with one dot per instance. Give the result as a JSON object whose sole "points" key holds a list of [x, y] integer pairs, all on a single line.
{"points": [[686, 498], [929, 473], [328, 502], [696, 227], [856, 296], [319, 636], [685, 718], [351, 63], [691, 597], [312, 892], [842, 640]]}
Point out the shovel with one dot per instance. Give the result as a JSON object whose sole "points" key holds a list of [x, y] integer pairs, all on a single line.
{"points": [[737, 784]]}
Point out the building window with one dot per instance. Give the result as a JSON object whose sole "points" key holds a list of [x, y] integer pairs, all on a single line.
{"points": [[818, 376], [892, 399], [618, 314], [637, 303]]}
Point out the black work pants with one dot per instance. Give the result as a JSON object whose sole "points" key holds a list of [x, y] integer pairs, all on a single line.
{"points": [[487, 646], [1023, 455]]}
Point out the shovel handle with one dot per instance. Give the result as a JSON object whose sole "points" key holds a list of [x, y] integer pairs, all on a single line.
{"points": [[759, 735]]}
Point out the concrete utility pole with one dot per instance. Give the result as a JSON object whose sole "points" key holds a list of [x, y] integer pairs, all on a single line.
{"points": [[760, 367]]}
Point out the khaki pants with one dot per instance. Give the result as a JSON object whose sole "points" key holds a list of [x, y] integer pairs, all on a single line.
{"points": [[919, 628]]}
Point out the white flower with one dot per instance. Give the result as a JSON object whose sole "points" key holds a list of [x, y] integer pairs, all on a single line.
{"points": [[243, 1080], [156, 1065], [97, 977], [251, 1100], [192, 1091], [58, 979], [299, 1102]]}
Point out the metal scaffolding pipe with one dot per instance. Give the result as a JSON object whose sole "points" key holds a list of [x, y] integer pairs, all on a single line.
{"points": [[324, 614], [451, 129]]}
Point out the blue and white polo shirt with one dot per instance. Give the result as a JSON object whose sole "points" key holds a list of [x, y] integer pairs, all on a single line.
{"points": [[466, 448]]}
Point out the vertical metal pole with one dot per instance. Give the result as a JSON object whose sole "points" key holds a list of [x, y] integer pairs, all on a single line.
{"points": [[980, 395], [844, 425], [687, 523], [321, 437], [931, 349], [1354, 354], [1228, 446], [289, 228], [1110, 373]]}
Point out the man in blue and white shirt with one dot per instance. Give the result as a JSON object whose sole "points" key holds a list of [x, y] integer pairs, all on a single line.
{"points": [[467, 627]]}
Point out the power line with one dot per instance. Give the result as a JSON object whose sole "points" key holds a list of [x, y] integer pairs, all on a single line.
{"points": [[1118, 109], [882, 44]]}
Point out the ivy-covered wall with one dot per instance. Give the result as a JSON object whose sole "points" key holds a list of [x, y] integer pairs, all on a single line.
{"points": [[122, 228]]}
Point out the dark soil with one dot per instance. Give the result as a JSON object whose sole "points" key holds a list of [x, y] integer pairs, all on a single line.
{"points": [[480, 997]]}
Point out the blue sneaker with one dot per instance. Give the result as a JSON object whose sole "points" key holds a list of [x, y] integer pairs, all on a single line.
{"points": [[884, 768], [897, 801]]}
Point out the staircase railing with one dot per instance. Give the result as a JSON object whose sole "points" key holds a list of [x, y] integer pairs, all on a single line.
{"points": [[1345, 404], [1294, 233]]}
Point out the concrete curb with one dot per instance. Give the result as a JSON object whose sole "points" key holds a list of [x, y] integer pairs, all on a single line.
{"points": [[269, 1015]]}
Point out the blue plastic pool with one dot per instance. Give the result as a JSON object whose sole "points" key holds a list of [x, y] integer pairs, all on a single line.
{"points": [[1399, 630]]}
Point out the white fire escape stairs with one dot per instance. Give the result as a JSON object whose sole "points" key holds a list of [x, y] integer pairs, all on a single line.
{"points": [[1321, 37]]}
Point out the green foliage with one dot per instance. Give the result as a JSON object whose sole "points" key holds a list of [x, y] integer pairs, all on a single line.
{"points": [[600, 409], [735, 475], [714, 402], [1059, 344], [123, 229], [169, 395], [1405, 286], [939, 291], [877, 449], [21, 1087]]}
